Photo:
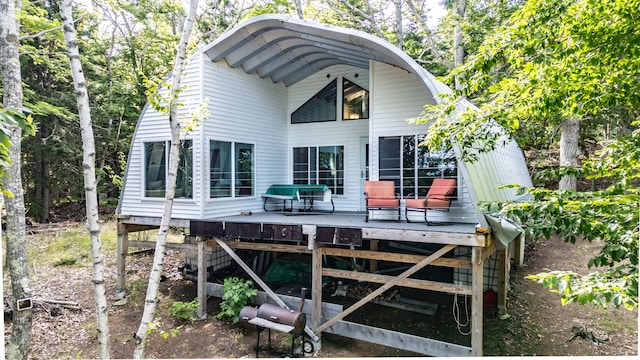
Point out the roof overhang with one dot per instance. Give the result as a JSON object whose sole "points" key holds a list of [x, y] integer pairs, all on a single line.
{"points": [[288, 50]]}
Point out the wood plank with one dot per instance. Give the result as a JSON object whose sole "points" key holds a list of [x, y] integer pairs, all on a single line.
{"points": [[168, 246], [398, 340], [396, 257], [259, 281], [477, 286], [316, 285], [410, 283], [503, 275], [430, 237], [155, 221], [284, 248], [388, 285]]}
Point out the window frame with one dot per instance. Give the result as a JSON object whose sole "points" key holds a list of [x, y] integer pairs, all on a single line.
{"points": [[165, 166], [365, 101], [314, 175], [235, 186]]}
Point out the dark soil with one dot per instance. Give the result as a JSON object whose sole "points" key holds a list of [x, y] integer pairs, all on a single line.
{"points": [[537, 324]]}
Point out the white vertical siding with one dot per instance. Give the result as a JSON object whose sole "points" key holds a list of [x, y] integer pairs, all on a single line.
{"points": [[244, 108], [396, 97], [154, 126], [330, 133]]}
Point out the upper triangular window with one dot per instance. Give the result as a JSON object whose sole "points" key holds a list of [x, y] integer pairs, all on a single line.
{"points": [[321, 107], [355, 101]]}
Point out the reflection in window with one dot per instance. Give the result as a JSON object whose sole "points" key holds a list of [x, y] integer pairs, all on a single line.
{"points": [[230, 171], [355, 101], [321, 107], [413, 167], [155, 157], [320, 165]]}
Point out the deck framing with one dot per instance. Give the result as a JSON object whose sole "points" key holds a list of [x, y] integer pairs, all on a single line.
{"points": [[480, 243]]}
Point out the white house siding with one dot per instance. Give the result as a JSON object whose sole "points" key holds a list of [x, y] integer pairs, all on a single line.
{"points": [[154, 126], [244, 108], [346, 133], [396, 97]]}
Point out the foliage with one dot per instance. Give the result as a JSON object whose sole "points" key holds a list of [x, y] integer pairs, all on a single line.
{"points": [[184, 310], [237, 293], [610, 217], [7, 118]]}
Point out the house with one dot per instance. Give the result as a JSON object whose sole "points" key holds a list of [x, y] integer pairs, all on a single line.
{"points": [[295, 102]]}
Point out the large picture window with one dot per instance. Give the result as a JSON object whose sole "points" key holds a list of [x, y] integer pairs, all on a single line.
{"points": [[320, 165], [155, 161], [231, 171], [413, 167]]}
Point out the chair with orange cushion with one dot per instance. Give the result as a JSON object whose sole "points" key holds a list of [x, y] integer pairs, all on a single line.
{"points": [[381, 195], [438, 198]]}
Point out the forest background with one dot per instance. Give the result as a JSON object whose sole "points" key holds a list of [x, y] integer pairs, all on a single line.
{"points": [[561, 75]]}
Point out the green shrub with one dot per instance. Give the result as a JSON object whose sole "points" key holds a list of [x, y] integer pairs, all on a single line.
{"points": [[184, 310], [237, 294]]}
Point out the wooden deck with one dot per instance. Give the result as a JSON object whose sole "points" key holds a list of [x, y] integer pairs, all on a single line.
{"points": [[341, 234]]}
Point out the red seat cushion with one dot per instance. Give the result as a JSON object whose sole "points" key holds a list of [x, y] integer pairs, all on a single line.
{"points": [[383, 202], [415, 203], [438, 203]]}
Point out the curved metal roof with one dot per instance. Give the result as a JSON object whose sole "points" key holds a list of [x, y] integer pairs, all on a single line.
{"points": [[287, 50]]}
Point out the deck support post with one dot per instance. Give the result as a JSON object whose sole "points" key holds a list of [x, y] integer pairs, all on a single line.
{"points": [[202, 276], [316, 284], [477, 287], [122, 252], [503, 275]]}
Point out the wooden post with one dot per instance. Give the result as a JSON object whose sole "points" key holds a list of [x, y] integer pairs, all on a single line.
{"points": [[202, 276], [503, 276], [373, 267], [518, 250], [316, 286], [122, 251], [477, 287]]}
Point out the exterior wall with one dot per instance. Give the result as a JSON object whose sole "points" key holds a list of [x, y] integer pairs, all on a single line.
{"points": [[347, 133], [397, 96], [244, 108], [154, 126]]}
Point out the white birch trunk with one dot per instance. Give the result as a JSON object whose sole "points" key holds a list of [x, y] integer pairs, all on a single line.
{"points": [[174, 123], [569, 151], [89, 171], [460, 9], [18, 345]]}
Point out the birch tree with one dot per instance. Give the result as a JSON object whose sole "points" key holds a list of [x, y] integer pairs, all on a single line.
{"points": [[18, 345], [174, 124], [89, 172]]}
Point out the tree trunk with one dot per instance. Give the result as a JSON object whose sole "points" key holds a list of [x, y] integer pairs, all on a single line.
{"points": [[89, 171], [399, 33], [174, 123], [299, 9], [569, 151], [18, 345], [460, 9]]}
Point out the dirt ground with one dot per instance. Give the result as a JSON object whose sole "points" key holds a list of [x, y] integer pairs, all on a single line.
{"points": [[537, 324]]}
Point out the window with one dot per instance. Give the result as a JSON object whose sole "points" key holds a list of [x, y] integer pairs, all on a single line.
{"points": [[231, 170], [320, 165], [155, 155], [413, 167], [321, 107], [355, 101]]}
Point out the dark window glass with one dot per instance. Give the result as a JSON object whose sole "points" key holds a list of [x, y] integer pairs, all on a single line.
{"points": [[355, 101], [184, 180], [244, 169], [321, 107], [155, 155], [320, 165], [414, 167], [220, 169]]}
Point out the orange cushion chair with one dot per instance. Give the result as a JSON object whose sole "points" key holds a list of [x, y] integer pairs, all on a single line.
{"points": [[438, 198], [381, 195]]}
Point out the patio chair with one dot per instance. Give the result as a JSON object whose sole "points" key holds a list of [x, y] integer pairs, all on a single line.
{"points": [[381, 195], [438, 198]]}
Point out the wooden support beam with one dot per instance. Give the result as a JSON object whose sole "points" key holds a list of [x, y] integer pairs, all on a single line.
{"points": [[503, 276], [477, 288], [122, 251], [202, 277], [316, 282], [410, 283], [395, 257], [425, 237], [428, 260], [284, 248], [259, 281]]}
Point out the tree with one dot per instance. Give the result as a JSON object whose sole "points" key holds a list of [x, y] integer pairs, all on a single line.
{"points": [[89, 166], [554, 63], [174, 124], [18, 346]]}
